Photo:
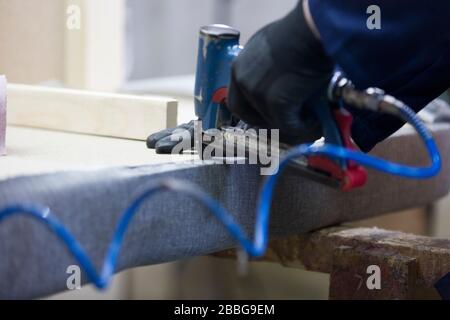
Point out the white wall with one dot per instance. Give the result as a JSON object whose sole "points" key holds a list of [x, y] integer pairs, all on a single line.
{"points": [[162, 35]]}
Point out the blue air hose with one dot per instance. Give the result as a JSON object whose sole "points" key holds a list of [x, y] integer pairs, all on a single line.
{"points": [[254, 248]]}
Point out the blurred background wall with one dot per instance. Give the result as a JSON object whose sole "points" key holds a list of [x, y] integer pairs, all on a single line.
{"points": [[31, 40], [162, 36]]}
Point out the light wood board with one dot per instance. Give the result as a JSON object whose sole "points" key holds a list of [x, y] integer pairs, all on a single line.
{"points": [[94, 54], [106, 114]]}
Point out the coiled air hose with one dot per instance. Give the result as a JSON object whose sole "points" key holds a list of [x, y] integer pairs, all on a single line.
{"points": [[372, 99]]}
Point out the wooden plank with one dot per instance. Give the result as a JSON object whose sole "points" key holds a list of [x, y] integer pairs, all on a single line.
{"points": [[316, 251], [94, 53], [349, 278], [115, 115]]}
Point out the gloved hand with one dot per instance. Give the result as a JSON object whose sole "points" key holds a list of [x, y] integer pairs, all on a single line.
{"points": [[164, 141], [280, 68]]}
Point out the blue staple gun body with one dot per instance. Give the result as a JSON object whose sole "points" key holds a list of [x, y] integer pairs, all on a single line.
{"points": [[218, 47]]}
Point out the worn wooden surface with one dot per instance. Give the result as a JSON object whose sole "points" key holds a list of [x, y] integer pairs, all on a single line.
{"points": [[353, 275], [408, 262]]}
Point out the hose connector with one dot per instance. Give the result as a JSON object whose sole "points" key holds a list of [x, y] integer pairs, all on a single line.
{"points": [[337, 85]]}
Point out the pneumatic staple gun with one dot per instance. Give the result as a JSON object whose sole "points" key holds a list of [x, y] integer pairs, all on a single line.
{"points": [[334, 160], [218, 47]]}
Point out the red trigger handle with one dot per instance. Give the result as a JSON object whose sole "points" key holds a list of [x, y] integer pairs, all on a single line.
{"points": [[355, 175]]}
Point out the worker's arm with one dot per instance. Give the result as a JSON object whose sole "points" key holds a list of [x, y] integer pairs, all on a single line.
{"points": [[283, 64], [280, 67]]}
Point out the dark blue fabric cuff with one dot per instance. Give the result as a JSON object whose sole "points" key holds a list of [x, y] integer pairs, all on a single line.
{"points": [[409, 57]]}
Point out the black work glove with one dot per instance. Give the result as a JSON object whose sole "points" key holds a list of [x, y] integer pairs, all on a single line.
{"points": [[164, 141], [280, 68]]}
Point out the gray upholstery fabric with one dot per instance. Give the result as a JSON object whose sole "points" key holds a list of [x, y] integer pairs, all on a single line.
{"points": [[172, 226]]}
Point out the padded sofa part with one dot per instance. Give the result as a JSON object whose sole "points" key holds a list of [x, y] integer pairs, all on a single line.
{"points": [[172, 226]]}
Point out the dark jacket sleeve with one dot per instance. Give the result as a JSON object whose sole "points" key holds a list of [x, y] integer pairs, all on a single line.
{"points": [[409, 57]]}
